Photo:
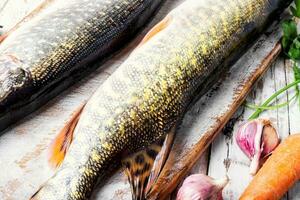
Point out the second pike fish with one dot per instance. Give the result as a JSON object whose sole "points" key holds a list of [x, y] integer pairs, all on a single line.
{"points": [[52, 50], [132, 117]]}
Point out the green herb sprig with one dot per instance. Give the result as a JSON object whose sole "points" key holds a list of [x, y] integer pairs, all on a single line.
{"points": [[291, 49]]}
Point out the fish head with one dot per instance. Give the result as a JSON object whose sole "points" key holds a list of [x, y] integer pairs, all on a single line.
{"points": [[13, 77]]}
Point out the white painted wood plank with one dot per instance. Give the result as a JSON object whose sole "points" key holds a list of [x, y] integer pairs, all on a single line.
{"points": [[275, 79], [201, 167], [282, 118], [227, 159], [294, 108], [209, 109], [23, 147], [23, 163], [12, 11], [294, 124]]}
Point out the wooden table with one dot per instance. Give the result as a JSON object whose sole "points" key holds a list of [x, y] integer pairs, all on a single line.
{"points": [[23, 147]]}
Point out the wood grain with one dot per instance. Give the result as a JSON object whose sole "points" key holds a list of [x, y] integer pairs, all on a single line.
{"points": [[31, 14], [23, 147], [214, 111], [287, 121]]}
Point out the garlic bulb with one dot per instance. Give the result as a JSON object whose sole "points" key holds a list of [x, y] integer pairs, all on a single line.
{"points": [[257, 139], [201, 187]]}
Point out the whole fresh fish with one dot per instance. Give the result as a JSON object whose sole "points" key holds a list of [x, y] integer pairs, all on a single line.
{"points": [[51, 51], [132, 116]]}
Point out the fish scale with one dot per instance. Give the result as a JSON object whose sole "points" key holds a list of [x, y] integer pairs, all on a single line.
{"points": [[51, 51], [157, 83]]}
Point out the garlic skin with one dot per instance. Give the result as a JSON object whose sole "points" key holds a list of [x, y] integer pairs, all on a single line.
{"points": [[201, 187], [257, 139]]}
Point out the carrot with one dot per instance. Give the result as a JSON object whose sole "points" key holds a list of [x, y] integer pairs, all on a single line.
{"points": [[278, 173]]}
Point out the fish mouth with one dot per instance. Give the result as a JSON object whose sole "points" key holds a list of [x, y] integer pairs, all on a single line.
{"points": [[13, 77]]}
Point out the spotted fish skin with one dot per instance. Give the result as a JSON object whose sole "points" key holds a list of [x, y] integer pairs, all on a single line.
{"points": [[50, 52], [149, 93]]}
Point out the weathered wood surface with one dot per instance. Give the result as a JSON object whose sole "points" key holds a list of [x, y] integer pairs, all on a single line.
{"points": [[23, 148], [225, 154], [20, 17]]}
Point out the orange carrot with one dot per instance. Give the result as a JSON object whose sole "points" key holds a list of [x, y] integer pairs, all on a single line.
{"points": [[278, 174]]}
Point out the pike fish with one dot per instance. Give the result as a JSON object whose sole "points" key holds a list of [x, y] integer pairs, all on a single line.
{"points": [[132, 117], [55, 49]]}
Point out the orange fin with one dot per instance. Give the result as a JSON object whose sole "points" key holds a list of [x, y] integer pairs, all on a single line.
{"points": [[63, 140], [156, 29], [142, 168], [2, 35], [29, 16], [160, 159]]}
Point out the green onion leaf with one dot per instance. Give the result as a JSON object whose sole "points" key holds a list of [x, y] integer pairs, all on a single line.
{"points": [[296, 70], [272, 98], [269, 107]]}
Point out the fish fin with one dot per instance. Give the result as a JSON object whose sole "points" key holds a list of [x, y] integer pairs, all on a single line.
{"points": [[161, 159], [156, 29], [145, 166], [2, 37], [63, 140], [138, 169]]}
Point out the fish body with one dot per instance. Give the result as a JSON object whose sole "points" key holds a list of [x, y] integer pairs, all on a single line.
{"points": [[56, 48], [149, 93]]}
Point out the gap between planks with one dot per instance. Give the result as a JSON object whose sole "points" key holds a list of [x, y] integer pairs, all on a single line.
{"points": [[227, 158]]}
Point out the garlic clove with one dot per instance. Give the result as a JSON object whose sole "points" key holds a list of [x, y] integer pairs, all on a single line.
{"points": [[248, 137], [270, 140], [201, 187], [257, 139]]}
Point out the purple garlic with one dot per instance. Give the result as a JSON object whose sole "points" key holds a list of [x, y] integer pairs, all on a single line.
{"points": [[257, 139], [201, 187]]}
